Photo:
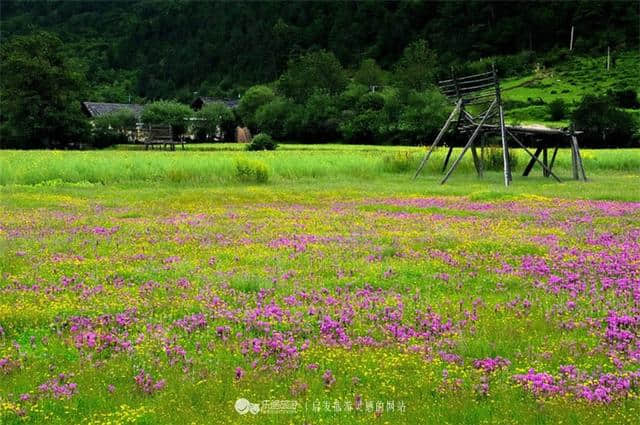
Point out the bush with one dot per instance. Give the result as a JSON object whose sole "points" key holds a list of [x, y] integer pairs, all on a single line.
{"points": [[603, 124], [105, 137], [262, 142], [251, 171], [506, 65], [557, 110], [164, 112], [625, 98]]}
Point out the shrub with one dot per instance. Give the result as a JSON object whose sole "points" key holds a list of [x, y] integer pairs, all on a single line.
{"points": [[505, 65], [104, 137], [262, 142], [557, 110], [251, 171], [625, 98]]}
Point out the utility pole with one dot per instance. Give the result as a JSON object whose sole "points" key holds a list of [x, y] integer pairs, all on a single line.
{"points": [[571, 41]]}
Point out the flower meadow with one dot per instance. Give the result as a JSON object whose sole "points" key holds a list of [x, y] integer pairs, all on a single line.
{"points": [[356, 309]]}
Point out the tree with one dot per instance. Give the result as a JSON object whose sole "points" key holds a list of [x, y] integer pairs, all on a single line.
{"points": [[310, 73], [417, 67], [370, 74], [320, 119], [251, 101], [111, 129], [165, 112], [215, 117], [40, 91], [603, 124], [118, 121], [272, 118], [423, 116]]}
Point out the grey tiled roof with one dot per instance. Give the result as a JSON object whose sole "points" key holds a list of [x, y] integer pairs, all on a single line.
{"points": [[229, 103], [96, 109]]}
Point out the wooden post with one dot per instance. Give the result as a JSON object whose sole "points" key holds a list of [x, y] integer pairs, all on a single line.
{"points": [[446, 160], [437, 141], [574, 162], [545, 162], [553, 158], [505, 146], [608, 57], [579, 167], [471, 139], [476, 159]]}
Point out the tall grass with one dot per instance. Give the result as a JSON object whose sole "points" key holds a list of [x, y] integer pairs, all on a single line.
{"points": [[122, 167]]}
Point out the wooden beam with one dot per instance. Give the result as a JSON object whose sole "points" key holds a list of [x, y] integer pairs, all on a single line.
{"points": [[533, 156], [476, 160], [437, 140], [532, 162], [553, 158]]}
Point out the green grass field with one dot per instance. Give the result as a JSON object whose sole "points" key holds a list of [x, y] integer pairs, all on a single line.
{"points": [[161, 287]]}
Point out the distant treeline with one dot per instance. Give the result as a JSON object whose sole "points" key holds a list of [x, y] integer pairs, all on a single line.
{"points": [[154, 50]]}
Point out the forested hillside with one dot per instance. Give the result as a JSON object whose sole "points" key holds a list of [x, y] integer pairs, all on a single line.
{"points": [[171, 49]]}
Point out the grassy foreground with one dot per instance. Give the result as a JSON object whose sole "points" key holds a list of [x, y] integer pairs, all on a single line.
{"points": [[218, 164], [340, 287]]}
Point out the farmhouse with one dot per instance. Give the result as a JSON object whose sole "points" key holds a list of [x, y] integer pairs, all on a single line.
{"points": [[96, 109]]}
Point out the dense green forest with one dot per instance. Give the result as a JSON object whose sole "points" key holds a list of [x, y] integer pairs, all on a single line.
{"points": [[358, 72], [171, 49]]}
